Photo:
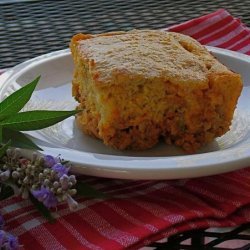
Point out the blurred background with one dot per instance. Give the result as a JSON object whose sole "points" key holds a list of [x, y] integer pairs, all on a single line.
{"points": [[32, 28]]}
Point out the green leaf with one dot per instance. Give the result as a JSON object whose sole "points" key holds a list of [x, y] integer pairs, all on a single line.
{"points": [[38, 119], [18, 139], [42, 209], [16, 101], [87, 191], [4, 148], [5, 191], [1, 134]]}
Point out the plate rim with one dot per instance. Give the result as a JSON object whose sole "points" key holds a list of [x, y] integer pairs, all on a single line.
{"points": [[104, 165]]}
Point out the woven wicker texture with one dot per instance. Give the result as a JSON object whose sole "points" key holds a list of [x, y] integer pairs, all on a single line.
{"points": [[32, 28], [212, 239]]}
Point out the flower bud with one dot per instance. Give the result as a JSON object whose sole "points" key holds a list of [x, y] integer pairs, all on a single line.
{"points": [[5, 167], [59, 191], [15, 175], [56, 184], [46, 182], [9, 152], [17, 153], [46, 171], [40, 161], [53, 173], [72, 191], [70, 184], [64, 180], [26, 180], [72, 178]]}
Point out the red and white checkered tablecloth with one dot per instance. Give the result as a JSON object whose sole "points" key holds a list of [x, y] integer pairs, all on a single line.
{"points": [[218, 29], [140, 212]]}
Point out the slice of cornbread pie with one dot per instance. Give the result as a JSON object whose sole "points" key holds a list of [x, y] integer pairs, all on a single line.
{"points": [[138, 86]]}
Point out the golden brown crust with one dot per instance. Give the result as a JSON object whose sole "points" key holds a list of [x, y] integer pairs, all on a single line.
{"points": [[138, 86]]}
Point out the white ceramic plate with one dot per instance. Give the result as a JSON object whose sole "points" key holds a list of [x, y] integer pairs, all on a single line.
{"points": [[91, 157]]}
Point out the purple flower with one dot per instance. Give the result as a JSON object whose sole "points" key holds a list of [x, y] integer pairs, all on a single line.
{"points": [[49, 161], [45, 196], [8, 241], [2, 238], [11, 242], [1, 222], [60, 169]]}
